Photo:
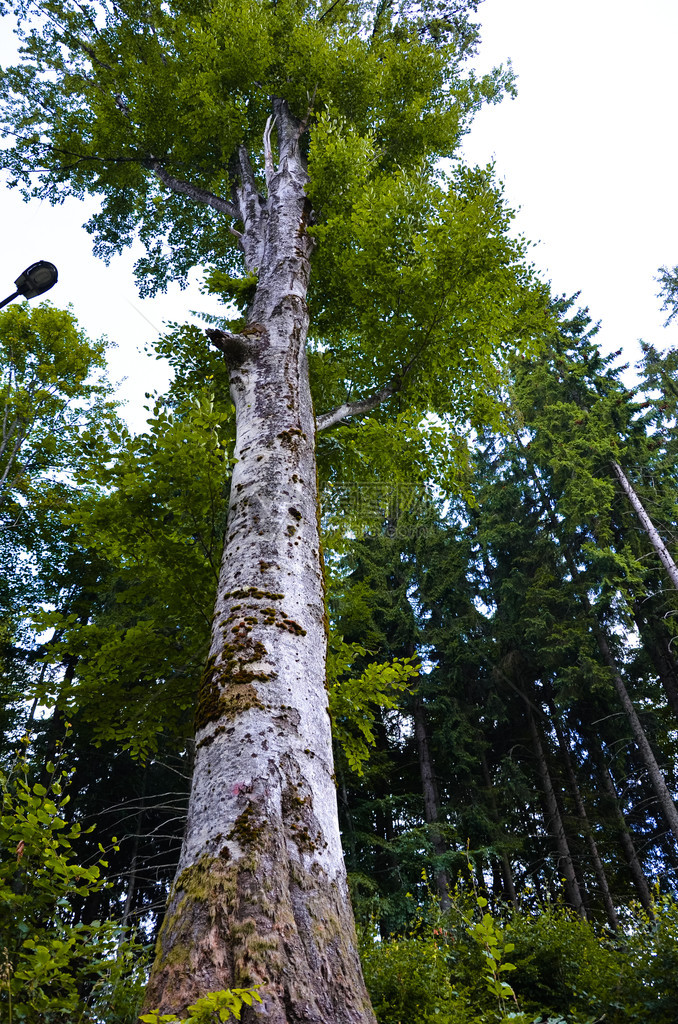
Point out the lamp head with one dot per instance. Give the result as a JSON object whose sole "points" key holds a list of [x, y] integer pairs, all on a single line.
{"points": [[36, 279]]}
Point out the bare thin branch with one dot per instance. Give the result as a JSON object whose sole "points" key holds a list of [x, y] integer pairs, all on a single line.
{"points": [[359, 408]]}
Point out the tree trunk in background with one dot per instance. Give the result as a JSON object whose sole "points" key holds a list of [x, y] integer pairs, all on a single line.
{"points": [[657, 645], [385, 862], [555, 823], [648, 526], [431, 802], [260, 895], [349, 840], [610, 911], [635, 868], [506, 871], [657, 779], [132, 883]]}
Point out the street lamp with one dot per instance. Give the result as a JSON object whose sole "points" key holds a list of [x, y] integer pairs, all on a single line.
{"points": [[35, 280]]}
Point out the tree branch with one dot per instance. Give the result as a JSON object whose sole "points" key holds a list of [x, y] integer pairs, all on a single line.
{"points": [[268, 155], [328, 11], [365, 405], [201, 195], [359, 408], [342, 412], [237, 347]]}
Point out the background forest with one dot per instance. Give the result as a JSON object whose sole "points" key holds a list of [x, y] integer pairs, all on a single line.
{"points": [[503, 668], [509, 808]]}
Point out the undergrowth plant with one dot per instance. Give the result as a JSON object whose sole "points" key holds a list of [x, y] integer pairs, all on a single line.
{"points": [[452, 967], [211, 1009], [55, 969]]}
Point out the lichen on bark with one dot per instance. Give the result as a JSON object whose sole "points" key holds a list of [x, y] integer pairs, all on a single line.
{"points": [[260, 895]]}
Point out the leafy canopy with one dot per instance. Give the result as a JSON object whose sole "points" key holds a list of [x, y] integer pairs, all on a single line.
{"points": [[151, 522], [50, 392], [145, 104], [107, 90]]}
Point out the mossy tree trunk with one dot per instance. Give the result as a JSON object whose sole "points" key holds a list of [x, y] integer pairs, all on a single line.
{"points": [[260, 895]]}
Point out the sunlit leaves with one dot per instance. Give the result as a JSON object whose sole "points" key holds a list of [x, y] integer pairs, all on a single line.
{"points": [[357, 701], [103, 91], [153, 521]]}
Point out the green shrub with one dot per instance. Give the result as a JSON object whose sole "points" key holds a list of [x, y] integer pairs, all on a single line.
{"points": [[563, 966], [53, 969], [527, 967], [650, 979], [409, 980]]}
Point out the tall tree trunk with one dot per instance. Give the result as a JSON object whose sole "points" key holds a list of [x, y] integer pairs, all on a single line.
{"points": [[635, 868], [260, 896], [648, 525], [555, 822], [506, 870], [664, 797], [610, 911], [431, 803], [349, 832], [657, 779], [386, 868], [134, 859], [656, 643]]}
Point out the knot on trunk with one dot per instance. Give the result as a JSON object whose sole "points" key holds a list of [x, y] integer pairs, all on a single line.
{"points": [[238, 347]]}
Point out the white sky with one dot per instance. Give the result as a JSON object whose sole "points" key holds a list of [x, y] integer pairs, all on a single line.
{"points": [[587, 152]]}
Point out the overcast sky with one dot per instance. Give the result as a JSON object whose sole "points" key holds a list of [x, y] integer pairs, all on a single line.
{"points": [[588, 150], [587, 153]]}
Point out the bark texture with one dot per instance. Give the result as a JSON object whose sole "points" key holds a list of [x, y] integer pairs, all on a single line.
{"points": [[260, 896]]}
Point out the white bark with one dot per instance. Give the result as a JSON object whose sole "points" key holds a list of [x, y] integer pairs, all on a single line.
{"points": [[260, 895], [664, 796], [648, 526], [358, 408]]}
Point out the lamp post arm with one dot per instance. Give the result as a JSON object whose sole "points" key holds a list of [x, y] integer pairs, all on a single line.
{"points": [[9, 298]]}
